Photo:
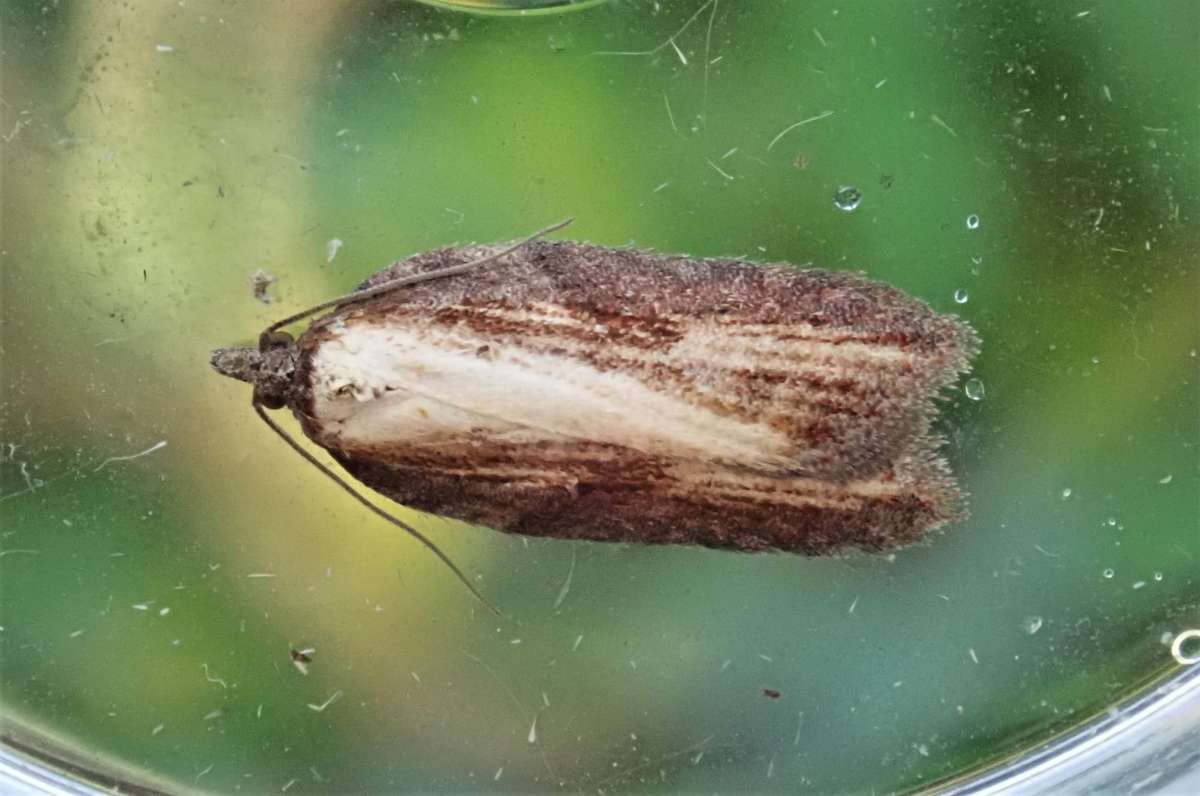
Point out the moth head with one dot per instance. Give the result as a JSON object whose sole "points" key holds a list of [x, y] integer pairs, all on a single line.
{"points": [[268, 367]]}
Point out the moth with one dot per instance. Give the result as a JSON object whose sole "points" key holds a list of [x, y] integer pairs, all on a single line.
{"points": [[562, 389]]}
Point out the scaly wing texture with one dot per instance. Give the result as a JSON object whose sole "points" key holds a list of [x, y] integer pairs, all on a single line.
{"points": [[588, 392]]}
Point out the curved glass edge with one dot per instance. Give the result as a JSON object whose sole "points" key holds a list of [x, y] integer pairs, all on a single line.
{"points": [[1148, 744], [33, 761], [502, 9], [21, 776]]}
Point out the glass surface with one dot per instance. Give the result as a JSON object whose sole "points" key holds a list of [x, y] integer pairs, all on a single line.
{"points": [[1032, 168], [1148, 744]]}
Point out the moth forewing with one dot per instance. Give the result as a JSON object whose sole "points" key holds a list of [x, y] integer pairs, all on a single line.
{"points": [[583, 392]]}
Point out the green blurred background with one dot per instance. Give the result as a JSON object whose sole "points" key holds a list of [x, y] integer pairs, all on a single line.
{"points": [[155, 155]]}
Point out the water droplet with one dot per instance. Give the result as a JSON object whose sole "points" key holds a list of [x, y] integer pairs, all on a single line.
{"points": [[977, 259], [1032, 624], [1111, 521], [847, 198], [961, 296], [1066, 493], [1158, 576], [974, 389], [1138, 584], [1191, 640], [1095, 360], [972, 221], [1108, 573]]}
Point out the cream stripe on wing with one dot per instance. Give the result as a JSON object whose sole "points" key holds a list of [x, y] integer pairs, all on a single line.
{"points": [[716, 350], [782, 341], [389, 384]]}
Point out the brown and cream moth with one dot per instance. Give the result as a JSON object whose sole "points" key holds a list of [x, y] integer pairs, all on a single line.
{"points": [[562, 389]]}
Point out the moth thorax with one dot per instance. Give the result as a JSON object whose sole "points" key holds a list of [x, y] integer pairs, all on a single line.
{"points": [[269, 370]]}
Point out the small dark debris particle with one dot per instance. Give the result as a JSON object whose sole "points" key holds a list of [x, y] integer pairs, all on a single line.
{"points": [[886, 180], [188, 183], [220, 191], [771, 693]]}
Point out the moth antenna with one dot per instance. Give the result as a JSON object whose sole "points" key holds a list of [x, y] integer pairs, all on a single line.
{"points": [[404, 526], [404, 281]]}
